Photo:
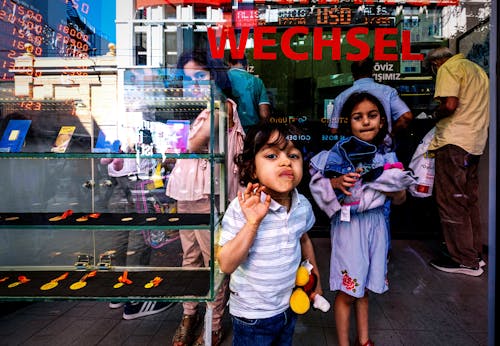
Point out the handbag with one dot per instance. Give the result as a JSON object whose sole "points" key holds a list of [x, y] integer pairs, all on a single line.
{"points": [[422, 165]]}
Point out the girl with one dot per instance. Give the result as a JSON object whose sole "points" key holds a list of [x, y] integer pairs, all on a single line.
{"points": [[350, 183], [189, 184], [264, 237]]}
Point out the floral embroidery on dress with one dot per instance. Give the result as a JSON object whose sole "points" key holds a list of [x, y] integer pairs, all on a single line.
{"points": [[349, 282]]}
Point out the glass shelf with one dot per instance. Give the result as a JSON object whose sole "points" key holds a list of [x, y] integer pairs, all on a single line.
{"points": [[67, 211], [47, 155]]}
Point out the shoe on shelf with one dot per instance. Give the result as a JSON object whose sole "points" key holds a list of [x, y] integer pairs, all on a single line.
{"points": [[116, 305], [216, 338], [449, 266], [139, 309], [185, 331]]}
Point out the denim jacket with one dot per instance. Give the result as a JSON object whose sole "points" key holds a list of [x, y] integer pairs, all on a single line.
{"points": [[349, 155]]}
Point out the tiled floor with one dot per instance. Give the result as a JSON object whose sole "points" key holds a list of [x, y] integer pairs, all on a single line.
{"points": [[422, 307]]}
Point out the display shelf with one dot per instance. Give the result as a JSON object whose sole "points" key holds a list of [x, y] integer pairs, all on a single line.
{"points": [[69, 211], [109, 221], [176, 284], [48, 155]]}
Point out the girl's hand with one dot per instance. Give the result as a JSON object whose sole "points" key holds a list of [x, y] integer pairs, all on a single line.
{"points": [[344, 182], [251, 205]]}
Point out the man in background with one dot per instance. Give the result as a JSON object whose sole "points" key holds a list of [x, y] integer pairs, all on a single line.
{"points": [[463, 115], [249, 92], [399, 115]]}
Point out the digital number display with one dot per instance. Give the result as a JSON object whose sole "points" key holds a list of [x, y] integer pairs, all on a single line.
{"points": [[78, 5], [357, 2], [31, 105], [75, 43], [331, 16], [27, 22], [19, 25]]}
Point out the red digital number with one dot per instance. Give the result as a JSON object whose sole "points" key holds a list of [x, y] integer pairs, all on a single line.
{"points": [[84, 7]]}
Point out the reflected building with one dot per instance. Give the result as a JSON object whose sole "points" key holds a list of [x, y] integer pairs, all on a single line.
{"points": [[55, 28]]}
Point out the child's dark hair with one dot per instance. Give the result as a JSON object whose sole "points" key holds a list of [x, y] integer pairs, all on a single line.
{"points": [[256, 138], [345, 115]]}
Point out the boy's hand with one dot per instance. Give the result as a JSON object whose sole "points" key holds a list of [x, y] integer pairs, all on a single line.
{"points": [[344, 182], [251, 205]]}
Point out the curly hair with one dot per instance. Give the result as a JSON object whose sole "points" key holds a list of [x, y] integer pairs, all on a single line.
{"points": [[345, 115], [257, 137]]}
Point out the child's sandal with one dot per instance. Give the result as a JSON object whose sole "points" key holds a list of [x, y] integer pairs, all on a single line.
{"points": [[368, 343]]}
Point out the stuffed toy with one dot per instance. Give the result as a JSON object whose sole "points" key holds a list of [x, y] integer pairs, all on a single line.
{"points": [[303, 294]]}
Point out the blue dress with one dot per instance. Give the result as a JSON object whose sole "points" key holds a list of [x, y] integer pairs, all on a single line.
{"points": [[359, 239]]}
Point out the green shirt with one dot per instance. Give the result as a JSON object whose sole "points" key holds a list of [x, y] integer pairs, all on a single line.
{"points": [[248, 92]]}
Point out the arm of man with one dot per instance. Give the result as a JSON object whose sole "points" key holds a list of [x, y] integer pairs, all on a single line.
{"points": [[401, 114], [447, 106], [263, 99], [397, 197], [264, 111], [402, 123]]}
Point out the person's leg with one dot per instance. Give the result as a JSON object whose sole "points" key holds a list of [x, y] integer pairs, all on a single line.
{"points": [[472, 163], [342, 311], [218, 306], [204, 241], [453, 204], [277, 330], [194, 244], [285, 337], [191, 253], [138, 252], [192, 256], [361, 311]]}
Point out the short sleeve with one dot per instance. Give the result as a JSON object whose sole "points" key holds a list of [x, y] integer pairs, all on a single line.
{"points": [[232, 222], [398, 106], [262, 92], [447, 82]]}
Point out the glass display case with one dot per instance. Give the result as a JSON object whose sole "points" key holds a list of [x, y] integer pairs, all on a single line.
{"points": [[84, 212]]}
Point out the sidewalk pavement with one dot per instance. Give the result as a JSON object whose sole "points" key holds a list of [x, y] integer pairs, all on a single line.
{"points": [[422, 307]]}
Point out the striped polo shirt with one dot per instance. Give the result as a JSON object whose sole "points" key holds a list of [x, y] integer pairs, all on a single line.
{"points": [[261, 286]]}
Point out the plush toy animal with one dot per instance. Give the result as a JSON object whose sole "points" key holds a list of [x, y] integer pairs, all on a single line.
{"points": [[303, 294]]}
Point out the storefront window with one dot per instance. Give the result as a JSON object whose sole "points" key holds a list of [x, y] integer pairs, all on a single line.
{"points": [[81, 58]]}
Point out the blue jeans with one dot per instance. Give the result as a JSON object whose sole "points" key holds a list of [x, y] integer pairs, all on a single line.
{"points": [[276, 330]]}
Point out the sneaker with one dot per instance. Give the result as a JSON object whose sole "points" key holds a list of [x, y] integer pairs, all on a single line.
{"points": [[116, 305], [482, 263], [140, 309], [450, 266]]}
